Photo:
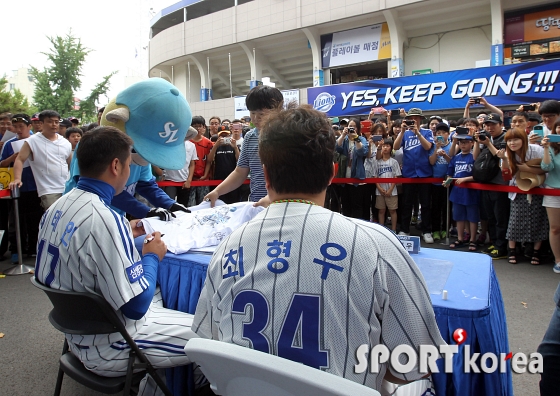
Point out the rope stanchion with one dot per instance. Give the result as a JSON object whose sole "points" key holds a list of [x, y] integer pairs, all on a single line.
{"points": [[194, 183], [500, 188]]}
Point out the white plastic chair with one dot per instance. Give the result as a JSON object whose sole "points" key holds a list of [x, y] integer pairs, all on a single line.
{"points": [[234, 370]]}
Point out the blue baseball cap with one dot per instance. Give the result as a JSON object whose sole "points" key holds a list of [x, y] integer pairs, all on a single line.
{"points": [[159, 120]]}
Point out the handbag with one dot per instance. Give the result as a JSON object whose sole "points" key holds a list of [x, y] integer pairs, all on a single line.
{"points": [[6, 177]]}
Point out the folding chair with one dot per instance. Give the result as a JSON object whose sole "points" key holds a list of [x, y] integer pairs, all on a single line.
{"points": [[234, 370], [86, 313]]}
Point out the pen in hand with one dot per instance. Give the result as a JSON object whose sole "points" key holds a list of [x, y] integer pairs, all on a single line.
{"points": [[150, 239]]}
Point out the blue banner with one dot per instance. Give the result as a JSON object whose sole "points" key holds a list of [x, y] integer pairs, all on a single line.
{"points": [[497, 56], [510, 85]]}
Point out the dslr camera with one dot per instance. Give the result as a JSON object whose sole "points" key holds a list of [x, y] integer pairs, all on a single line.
{"points": [[351, 130], [483, 135], [409, 122], [476, 99]]}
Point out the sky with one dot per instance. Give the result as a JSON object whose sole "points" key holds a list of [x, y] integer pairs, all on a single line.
{"points": [[115, 30]]}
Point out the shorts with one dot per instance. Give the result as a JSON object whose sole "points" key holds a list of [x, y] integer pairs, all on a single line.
{"points": [[48, 199], [392, 202], [551, 201], [468, 213]]}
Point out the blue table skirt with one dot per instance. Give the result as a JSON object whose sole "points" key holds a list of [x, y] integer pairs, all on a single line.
{"points": [[474, 304]]}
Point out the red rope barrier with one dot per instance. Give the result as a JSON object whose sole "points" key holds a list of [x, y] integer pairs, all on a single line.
{"points": [[400, 180], [4, 193]]}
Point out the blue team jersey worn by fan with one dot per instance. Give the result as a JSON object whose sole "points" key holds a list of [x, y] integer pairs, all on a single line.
{"points": [[439, 169], [416, 160], [141, 180], [461, 165], [26, 174]]}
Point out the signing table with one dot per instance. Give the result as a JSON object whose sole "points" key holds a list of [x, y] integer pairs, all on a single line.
{"points": [[474, 303]]}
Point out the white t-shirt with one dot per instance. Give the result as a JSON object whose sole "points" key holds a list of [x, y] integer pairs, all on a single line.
{"points": [[49, 162], [182, 175], [203, 227], [387, 169]]}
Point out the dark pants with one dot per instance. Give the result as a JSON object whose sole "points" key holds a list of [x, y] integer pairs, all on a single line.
{"points": [[5, 206], [179, 193], [369, 202], [353, 200], [332, 197], [550, 350], [439, 208], [232, 196], [496, 208], [424, 192], [30, 212]]}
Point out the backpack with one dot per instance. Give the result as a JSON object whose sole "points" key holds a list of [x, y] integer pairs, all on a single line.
{"points": [[486, 167]]}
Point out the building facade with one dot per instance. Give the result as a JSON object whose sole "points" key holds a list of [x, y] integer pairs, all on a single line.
{"points": [[214, 51]]}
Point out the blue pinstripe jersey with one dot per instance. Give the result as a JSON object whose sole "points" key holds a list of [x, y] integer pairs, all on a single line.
{"points": [[85, 246]]}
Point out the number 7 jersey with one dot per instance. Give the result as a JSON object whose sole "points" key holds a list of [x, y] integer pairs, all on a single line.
{"points": [[85, 246], [310, 285]]}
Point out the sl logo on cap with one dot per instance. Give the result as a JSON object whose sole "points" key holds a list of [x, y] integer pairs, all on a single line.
{"points": [[168, 132]]}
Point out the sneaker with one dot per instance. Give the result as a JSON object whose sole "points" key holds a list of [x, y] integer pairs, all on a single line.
{"points": [[436, 236], [556, 268], [489, 249], [428, 238], [497, 255], [414, 220], [402, 233], [443, 234]]}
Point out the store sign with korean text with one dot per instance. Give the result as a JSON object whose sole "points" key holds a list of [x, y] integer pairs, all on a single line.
{"points": [[502, 85], [365, 44]]}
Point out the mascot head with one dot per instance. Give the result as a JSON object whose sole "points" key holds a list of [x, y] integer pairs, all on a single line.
{"points": [[157, 117]]}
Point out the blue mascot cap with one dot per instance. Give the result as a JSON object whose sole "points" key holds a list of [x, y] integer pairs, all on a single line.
{"points": [[160, 117]]}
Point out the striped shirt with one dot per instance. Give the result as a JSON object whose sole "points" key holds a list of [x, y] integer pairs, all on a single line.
{"points": [[319, 285], [249, 158], [84, 246]]}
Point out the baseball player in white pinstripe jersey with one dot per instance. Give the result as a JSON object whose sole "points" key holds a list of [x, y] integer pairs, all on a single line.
{"points": [[307, 284], [85, 246]]}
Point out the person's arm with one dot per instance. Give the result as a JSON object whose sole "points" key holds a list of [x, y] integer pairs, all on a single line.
{"points": [[206, 170], [493, 109], [434, 155], [157, 171], [211, 155], [398, 141], [187, 183], [152, 252], [233, 181], [464, 179], [426, 144], [453, 149], [547, 164], [466, 113], [235, 148], [24, 153], [69, 159], [7, 162]]}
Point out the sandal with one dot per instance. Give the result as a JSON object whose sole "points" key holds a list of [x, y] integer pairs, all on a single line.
{"points": [[472, 246], [456, 244], [536, 257], [512, 258]]}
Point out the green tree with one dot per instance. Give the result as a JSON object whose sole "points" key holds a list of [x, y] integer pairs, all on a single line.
{"points": [[13, 101], [56, 84]]}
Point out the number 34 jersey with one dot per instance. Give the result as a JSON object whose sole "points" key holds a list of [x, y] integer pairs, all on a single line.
{"points": [[310, 285]]}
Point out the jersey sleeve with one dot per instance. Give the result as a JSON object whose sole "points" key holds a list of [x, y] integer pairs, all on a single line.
{"points": [[128, 204], [117, 264], [396, 168], [153, 193], [407, 315], [73, 174]]}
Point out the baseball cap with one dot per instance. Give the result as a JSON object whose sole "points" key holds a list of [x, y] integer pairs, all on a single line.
{"points": [[344, 121], [21, 118], [414, 112], [442, 126], [494, 118], [35, 117], [160, 117], [65, 123], [463, 137], [334, 120], [224, 132], [73, 119]]}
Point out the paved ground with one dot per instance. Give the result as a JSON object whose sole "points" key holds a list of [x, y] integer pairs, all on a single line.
{"points": [[30, 347]]}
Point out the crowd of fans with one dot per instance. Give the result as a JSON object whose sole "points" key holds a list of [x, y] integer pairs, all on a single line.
{"points": [[385, 145]]}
